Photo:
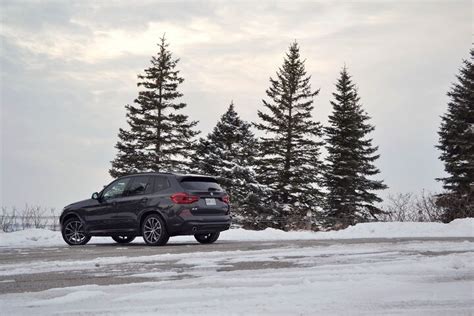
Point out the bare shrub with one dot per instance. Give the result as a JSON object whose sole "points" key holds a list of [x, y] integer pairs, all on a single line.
{"points": [[28, 217], [33, 217], [54, 223], [7, 220], [428, 208], [407, 207]]}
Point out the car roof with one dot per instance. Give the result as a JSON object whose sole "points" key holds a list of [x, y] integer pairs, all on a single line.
{"points": [[178, 175]]}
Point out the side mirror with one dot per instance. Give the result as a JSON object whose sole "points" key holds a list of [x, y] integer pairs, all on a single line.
{"points": [[95, 196]]}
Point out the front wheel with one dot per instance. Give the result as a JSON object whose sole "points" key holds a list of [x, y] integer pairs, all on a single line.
{"points": [[123, 239], [154, 231], [207, 238], [74, 233]]}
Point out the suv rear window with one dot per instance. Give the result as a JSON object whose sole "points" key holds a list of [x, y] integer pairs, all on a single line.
{"points": [[200, 184]]}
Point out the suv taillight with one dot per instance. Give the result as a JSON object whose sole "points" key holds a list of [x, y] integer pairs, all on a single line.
{"points": [[184, 198], [226, 199]]}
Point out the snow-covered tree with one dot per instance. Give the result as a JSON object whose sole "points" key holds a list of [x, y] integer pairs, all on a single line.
{"points": [[349, 168], [289, 160], [160, 136], [229, 152], [456, 142]]}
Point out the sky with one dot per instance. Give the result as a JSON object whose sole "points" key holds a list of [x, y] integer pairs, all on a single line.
{"points": [[68, 68]]}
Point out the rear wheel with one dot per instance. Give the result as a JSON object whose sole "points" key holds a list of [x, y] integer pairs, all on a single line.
{"points": [[123, 239], [154, 231], [74, 233], [207, 238]]}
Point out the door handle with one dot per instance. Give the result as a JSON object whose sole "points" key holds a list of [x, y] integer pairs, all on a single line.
{"points": [[144, 200]]}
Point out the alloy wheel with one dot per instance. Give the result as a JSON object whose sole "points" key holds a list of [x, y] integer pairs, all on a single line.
{"points": [[152, 230], [74, 232]]}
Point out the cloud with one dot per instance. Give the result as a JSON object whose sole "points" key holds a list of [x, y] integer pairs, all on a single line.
{"points": [[69, 67]]}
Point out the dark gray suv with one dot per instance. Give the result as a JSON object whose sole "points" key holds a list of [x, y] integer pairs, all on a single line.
{"points": [[155, 206]]}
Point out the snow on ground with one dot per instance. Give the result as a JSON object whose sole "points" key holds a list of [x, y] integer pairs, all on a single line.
{"points": [[343, 275], [457, 228], [215, 258], [408, 278]]}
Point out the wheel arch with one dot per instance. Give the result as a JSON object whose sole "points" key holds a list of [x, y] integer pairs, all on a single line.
{"points": [[150, 212], [69, 216]]}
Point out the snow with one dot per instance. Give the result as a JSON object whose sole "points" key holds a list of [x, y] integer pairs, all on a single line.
{"points": [[357, 276], [31, 238], [457, 228], [365, 278]]}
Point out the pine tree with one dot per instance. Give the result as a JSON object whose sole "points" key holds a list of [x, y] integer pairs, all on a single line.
{"points": [[456, 142], [350, 159], [160, 137], [289, 151], [223, 144], [229, 152]]}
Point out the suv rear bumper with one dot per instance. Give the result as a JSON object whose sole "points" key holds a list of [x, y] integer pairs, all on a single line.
{"points": [[200, 224]]}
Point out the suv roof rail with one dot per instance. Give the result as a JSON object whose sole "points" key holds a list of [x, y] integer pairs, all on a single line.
{"points": [[177, 174]]}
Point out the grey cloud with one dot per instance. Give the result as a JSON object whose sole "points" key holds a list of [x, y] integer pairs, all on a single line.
{"points": [[60, 115]]}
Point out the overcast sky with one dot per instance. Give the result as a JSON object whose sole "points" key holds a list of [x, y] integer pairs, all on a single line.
{"points": [[69, 67]]}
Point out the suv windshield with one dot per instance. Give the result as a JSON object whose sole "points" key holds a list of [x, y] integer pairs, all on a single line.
{"points": [[115, 189]]}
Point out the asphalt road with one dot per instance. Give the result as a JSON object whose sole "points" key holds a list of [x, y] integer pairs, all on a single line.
{"points": [[71, 271]]}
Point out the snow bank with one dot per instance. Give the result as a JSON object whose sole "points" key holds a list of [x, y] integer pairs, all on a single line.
{"points": [[457, 228], [31, 238]]}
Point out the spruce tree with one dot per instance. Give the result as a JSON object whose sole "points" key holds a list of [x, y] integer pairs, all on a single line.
{"points": [[350, 160], [160, 137], [228, 153], [289, 150], [456, 142]]}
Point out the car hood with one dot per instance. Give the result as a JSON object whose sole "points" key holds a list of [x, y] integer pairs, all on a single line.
{"points": [[81, 204]]}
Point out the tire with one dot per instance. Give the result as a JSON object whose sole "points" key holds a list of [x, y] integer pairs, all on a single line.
{"points": [[73, 232], [123, 239], [207, 238], [154, 231]]}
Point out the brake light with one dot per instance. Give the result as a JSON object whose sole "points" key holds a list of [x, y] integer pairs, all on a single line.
{"points": [[184, 198], [226, 199]]}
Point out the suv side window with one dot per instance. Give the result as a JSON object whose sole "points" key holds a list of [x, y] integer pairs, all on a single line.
{"points": [[115, 189], [140, 185], [161, 183]]}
